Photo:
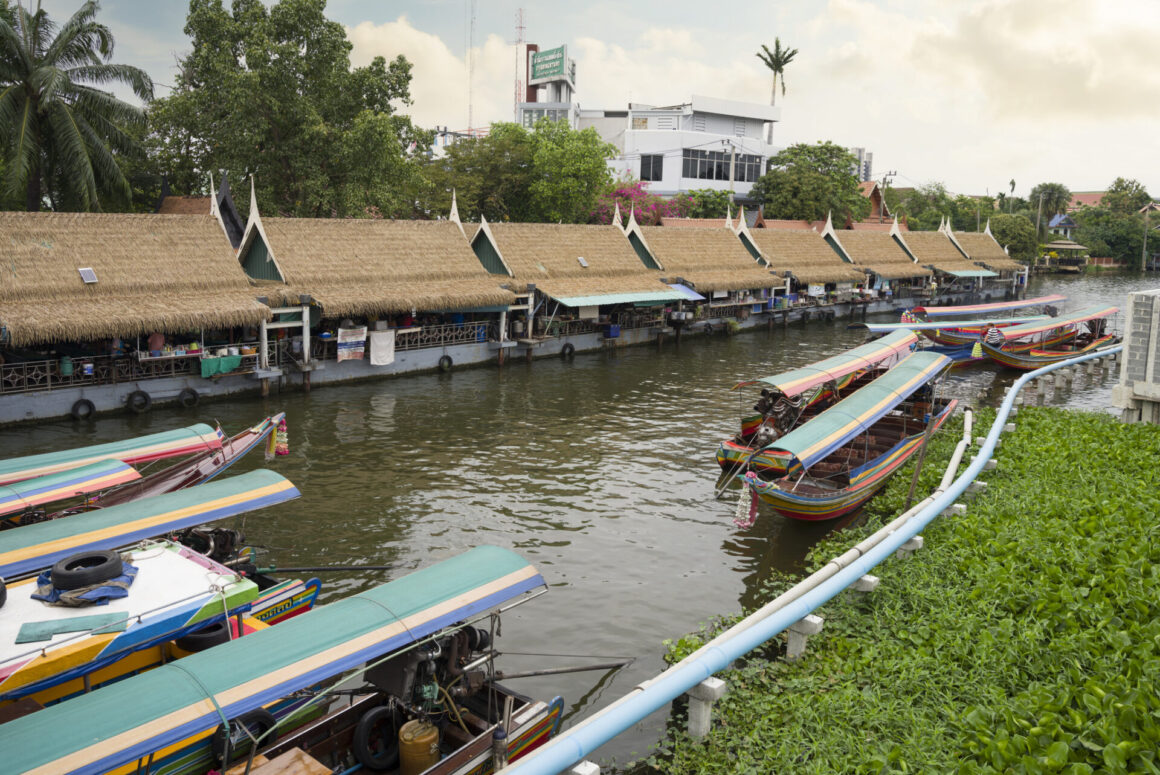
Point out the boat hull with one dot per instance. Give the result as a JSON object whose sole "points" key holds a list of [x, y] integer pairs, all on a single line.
{"points": [[1031, 359], [819, 507]]}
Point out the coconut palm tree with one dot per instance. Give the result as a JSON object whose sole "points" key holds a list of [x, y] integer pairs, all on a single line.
{"points": [[59, 134], [776, 61]]}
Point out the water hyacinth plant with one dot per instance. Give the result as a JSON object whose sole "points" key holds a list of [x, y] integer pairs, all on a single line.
{"points": [[1024, 637]]}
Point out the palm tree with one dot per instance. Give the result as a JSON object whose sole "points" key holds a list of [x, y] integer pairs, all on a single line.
{"points": [[59, 135], [776, 61]]}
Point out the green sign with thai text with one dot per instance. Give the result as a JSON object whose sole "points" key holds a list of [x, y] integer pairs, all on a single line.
{"points": [[549, 64]]}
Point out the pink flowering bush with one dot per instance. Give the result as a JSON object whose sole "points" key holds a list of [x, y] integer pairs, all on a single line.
{"points": [[632, 196]]}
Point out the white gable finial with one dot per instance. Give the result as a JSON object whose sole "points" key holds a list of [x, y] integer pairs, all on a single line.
{"points": [[253, 198], [894, 230], [631, 217], [987, 230], [829, 222], [453, 216], [616, 220], [728, 217]]}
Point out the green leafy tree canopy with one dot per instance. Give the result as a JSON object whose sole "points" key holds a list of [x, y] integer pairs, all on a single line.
{"points": [[270, 91], [60, 133], [1125, 196], [1017, 234], [711, 203], [809, 181], [1056, 197]]}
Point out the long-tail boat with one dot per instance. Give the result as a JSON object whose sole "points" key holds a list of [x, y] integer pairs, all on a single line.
{"points": [[143, 449], [793, 397], [110, 482], [415, 652], [970, 330], [1034, 345], [840, 459], [175, 593]]}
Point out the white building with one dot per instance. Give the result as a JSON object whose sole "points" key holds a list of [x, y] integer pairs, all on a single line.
{"points": [[678, 148]]}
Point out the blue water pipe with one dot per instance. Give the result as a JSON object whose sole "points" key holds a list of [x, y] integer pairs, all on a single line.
{"points": [[581, 740]]}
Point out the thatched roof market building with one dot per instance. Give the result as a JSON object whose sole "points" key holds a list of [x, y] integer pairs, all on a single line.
{"points": [[371, 268], [880, 253], [983, 249], [934, 249], [91, 276], [804, 255], [577, 265], [706, 259]]}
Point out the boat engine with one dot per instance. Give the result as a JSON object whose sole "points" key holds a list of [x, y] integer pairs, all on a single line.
{"points": [[423, 679]]}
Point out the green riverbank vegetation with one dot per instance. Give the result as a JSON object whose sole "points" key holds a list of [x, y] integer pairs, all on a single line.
{"points": [[1023, 638]]}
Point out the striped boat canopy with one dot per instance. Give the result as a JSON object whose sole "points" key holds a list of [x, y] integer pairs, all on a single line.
{"points": [[797, 381], [1073, 319], [819, 437], [938, 326], [986, 309], [39, 545], [94, 477], [183, 441], [128, 720]]}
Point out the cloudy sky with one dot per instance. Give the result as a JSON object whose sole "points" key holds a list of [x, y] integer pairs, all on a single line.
{"points": [[972, 93]]}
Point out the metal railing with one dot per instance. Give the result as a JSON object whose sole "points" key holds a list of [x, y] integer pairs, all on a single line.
{"points": [[441, 336], [570, 327], [791, 607]]}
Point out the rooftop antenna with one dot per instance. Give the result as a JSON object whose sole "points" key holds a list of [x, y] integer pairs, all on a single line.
{"points": [[519, 58], [470, 64]]}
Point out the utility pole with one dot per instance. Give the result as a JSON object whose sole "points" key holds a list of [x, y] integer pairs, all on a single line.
{"points": [[732, 166], [520, 58], [886, 178], [1038, 215], [1144, 252]]}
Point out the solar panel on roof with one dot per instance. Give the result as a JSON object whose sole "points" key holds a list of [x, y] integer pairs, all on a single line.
{"points": [[88, 275]]}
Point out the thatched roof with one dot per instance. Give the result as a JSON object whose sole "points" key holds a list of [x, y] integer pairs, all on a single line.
{"points": [[710, 259], [933, 248], [693, 223], [546, 255], [168, 273], [185, 205], [378, 267], [881, 254], [804, 254], [983, 249]]}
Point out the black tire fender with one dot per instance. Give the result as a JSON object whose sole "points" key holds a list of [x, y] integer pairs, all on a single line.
{"points": [[445, 363], [188, 397], [3, 593], [373, 719], [708, 328], [200, 640], [85, 569], [139, 402], [567, 351], [224, 746], [82, 409]]}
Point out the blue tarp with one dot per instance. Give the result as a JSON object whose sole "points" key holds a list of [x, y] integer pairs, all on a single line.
{"points": [[687, 292]]}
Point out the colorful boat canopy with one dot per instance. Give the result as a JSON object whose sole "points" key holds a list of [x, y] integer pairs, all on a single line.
{"points": [[986, 309], [818, 438], [26, 494], [797, 381], [37, 546], [183, 441], [1072, 319], [126, 721], [929, 325]]}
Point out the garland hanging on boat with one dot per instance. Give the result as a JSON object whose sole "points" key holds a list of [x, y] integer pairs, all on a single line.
{"points": [[747, 502]]}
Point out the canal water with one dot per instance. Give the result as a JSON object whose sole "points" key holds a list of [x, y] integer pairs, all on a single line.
{"points": [[599, 470]]}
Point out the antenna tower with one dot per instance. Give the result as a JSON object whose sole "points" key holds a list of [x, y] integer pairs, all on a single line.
{"points": [[470, 63], [520, 56]]}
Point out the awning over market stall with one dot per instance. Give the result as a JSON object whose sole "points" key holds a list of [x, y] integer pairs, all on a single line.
{"points": [[648, 297], [687, 292]]}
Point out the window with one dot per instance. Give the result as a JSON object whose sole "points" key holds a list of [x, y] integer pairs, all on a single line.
{"points": [[739, 127], [651, 167], [698, 123], [666, 122], [640, 123], [714, 165]]}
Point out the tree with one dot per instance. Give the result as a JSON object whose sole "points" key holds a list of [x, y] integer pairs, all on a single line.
{"points": [[926, 206], [570, 170], [776, 61], [1103, 231], [632, 196], [809, 182], [59, 133], [271, 92], [1056, 198], [710, 203], [1125, 196], [1017, 234]]}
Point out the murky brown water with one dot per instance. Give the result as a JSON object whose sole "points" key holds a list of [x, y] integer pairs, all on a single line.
{"points": [[599, 470]]}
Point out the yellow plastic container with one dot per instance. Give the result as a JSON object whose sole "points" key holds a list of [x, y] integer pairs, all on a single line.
{"points": [[418, 746]]}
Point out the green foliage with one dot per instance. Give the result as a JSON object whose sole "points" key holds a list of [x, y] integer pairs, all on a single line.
{"points": [[1125, 196], [271, 92], [810, 181], [711, 203], [61, 133], [1025, 637], [926, 206], [553, 173], [1017, 234], [1056, 197], [1108, 233], [776, 61]]}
